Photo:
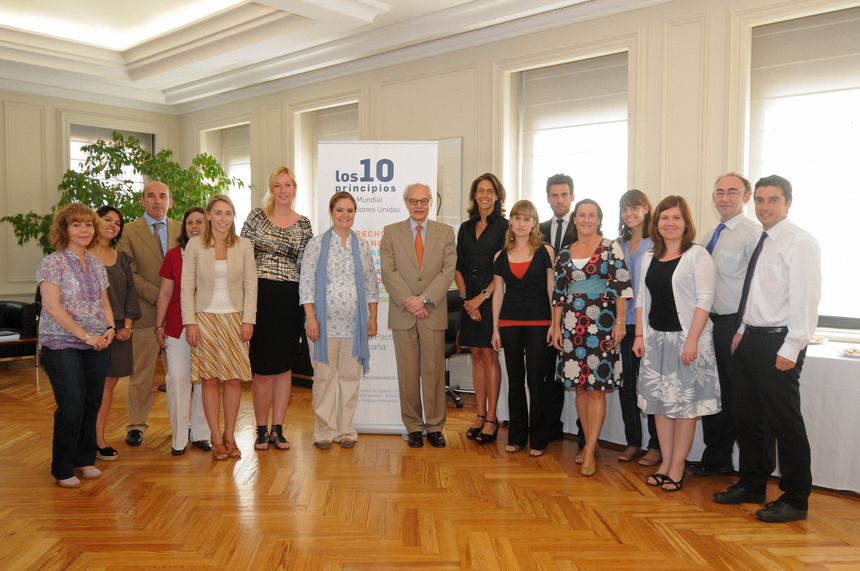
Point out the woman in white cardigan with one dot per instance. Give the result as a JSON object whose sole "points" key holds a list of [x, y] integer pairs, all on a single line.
{"points": [[219, 309], [678, 373]]}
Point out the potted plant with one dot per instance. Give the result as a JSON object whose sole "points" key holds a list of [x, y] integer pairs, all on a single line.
{"points": [[101, 181]]}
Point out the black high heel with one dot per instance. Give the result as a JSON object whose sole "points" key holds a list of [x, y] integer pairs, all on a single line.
{"points": [[488, 437], [474, 431]]}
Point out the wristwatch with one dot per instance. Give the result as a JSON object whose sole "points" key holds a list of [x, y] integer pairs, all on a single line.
{"points": [[424, 299], [486, 295]]}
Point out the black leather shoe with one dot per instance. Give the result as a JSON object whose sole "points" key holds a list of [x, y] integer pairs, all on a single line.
{"points": [[202, 445], [737, 494], [176, 452], [780, 512], [134, 437], [415, 440], [162, 388], [707, 469], [437, 440]]}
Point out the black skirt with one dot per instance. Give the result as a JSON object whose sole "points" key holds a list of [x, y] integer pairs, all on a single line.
{"points": [[280, 319], [477, 333]]}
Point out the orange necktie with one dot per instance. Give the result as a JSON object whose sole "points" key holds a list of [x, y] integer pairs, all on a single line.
{"points": [[419, 245]]}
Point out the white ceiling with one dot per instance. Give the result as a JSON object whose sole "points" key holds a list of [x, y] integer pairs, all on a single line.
{"points": [[177, 55]]}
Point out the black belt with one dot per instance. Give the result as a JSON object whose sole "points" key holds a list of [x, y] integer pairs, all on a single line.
{"points": [[716, 316], [752, 330]]}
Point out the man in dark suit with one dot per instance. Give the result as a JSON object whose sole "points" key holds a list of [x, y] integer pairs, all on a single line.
{"points": [[418, 258], [146, 240], [557, 232]]}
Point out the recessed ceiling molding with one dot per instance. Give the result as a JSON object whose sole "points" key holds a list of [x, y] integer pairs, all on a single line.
{"points": [[262, 47], [364, 10], [333, 60]]}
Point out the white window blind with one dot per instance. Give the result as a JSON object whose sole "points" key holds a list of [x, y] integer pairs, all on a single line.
{"points": [[573, 120], [805, 126], [236, 162]]}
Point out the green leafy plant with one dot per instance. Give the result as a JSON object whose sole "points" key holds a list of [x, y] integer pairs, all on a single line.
{"points": [[102, 180]]}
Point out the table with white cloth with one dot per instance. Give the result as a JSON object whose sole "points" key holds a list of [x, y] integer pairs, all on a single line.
{"points": [[830, 401]]}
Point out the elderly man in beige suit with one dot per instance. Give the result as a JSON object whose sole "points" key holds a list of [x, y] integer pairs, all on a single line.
{"points": [[146, 240], [418, 259]]}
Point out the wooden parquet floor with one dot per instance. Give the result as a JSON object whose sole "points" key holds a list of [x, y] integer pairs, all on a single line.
{"points": [[378, 506]]}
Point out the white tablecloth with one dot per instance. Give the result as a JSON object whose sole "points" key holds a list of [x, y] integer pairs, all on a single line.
{"points": [[830, 401]]}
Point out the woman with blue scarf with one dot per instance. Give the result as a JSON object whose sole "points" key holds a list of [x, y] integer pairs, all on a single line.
{"points": [[339, 290]]}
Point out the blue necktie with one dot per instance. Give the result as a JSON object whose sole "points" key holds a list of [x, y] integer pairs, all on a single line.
{"points": [[714, 238]]}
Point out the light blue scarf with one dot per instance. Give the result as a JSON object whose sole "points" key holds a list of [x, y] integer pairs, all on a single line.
{"points": [[360, 345]]}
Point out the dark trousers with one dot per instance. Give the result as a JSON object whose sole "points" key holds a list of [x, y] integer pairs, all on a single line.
{"points": [[717, 429], [77, 378], [767, 402], [627, 396], [525, 359], [554, 392]]}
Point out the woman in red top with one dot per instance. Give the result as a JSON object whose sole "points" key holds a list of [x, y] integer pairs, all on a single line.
{"points": [[524, 277], [177, 352]]}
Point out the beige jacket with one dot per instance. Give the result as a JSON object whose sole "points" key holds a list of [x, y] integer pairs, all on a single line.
{"points": [[198, 270], [403, 279]]}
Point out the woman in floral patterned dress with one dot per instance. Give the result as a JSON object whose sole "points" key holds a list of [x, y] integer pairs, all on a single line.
{"points": [[592, 286]]}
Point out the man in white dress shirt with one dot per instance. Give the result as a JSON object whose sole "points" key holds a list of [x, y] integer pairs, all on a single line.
{"points": [[731, 244], [778, 313], [556, 233]]}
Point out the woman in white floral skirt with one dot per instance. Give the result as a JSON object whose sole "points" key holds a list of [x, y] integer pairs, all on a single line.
{"points": [[678, 373]]}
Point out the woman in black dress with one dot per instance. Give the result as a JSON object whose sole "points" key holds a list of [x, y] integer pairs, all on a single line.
{"points": [[126, 308], [480, 237]]}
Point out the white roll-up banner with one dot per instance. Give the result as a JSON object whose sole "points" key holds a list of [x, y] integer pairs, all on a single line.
{"points": [[375, 173]]}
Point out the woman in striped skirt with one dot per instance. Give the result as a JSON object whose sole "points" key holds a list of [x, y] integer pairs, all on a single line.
{"points": [[219, 307]]}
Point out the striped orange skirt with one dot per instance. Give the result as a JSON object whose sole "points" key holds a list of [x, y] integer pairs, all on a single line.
{"points": [[220, 353]]}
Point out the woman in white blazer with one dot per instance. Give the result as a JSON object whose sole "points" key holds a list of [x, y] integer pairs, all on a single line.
{"points": [[219, 309], [678, 372]]}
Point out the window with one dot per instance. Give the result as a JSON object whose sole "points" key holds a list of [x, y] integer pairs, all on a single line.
{"points": [[573, 119], [236, 161], [334, 123], [232, 147], [82, 135], [805, 126]]}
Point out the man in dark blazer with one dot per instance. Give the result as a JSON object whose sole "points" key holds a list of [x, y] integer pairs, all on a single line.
{"points": [[146, 240], [557, 232], [417, 259]]}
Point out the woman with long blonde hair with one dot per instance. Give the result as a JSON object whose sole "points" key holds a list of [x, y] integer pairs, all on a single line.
{"points": [[219, 308], [523, 278], [279, 235]]}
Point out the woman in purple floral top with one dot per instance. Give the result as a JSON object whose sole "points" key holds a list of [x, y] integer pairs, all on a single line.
{"points": [[76, 329]]}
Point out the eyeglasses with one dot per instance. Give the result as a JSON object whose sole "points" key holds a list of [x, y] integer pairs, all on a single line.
{"points": [[730, 193], [417, 201]]}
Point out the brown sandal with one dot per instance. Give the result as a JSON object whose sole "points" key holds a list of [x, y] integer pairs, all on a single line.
{"points": [[219, 451], [232, 450]]}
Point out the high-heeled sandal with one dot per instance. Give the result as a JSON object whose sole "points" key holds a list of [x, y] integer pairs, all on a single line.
{"points": [[475, 430], [219, 451], [262, 442], [676, 484], [232, 450], [276, 437], [488, 437]]}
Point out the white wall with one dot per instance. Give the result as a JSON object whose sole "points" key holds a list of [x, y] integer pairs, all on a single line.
{"points": [[34, 154], [688, 76]]}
